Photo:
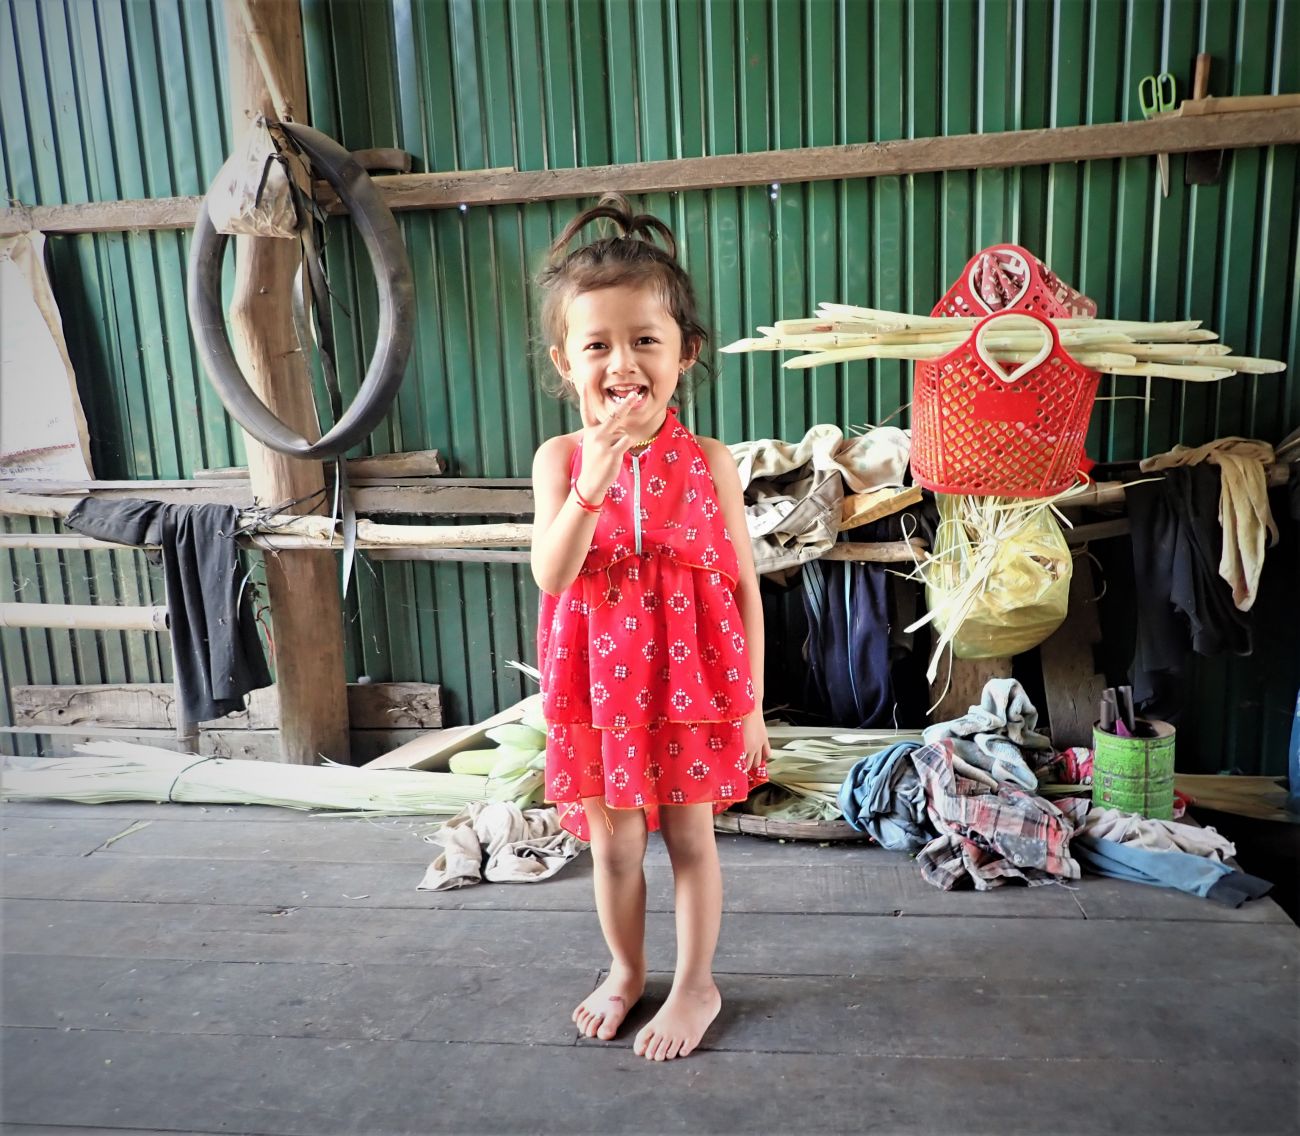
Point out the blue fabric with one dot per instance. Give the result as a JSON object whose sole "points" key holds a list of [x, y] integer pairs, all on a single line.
{"points": [[848, 643], [1196, 875], [884, 797]]}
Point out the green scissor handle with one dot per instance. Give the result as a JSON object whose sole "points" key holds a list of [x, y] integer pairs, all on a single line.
{"points": [[1157, 94]]}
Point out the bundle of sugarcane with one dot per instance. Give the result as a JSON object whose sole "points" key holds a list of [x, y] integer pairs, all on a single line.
{"points": [[117, 771], [840, 333], [814, 763]]}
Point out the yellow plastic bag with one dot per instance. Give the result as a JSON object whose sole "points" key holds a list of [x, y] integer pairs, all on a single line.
{"points": [[998, 578]]}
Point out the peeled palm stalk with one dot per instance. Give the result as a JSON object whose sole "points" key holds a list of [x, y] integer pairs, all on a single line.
{"points": [[119, 771], [840, 333], [814, 765]]}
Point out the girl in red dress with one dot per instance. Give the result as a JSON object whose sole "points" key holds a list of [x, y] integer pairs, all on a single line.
{"points": [[650, 636]]}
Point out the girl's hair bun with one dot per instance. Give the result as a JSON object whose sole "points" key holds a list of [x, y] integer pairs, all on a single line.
{"points": [[614, 207]]}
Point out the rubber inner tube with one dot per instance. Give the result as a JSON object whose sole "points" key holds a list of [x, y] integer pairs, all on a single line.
{"points": [[392, 271]]}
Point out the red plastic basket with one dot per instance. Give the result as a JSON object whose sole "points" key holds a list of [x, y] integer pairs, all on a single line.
{"points": [[977, 429], [1010, 278]]}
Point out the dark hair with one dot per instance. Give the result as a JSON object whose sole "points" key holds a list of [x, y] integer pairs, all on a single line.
{"points": [[630, 257]]}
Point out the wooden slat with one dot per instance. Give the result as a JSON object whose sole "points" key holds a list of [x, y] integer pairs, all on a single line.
{"points": [[414, 496], [249, 745], [413, 463], [1070, 676], [433, 750], [819, 163], [378, 705], [966, 687]]}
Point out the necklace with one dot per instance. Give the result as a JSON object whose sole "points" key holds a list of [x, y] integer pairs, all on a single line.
{"points": [[637, 447]]}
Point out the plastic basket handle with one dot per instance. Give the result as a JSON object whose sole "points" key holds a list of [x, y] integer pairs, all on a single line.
{"points": [[1024, 263], [1050, 343]]}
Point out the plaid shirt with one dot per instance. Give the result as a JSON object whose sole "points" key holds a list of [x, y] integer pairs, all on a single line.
{"points": [[991, 835]]}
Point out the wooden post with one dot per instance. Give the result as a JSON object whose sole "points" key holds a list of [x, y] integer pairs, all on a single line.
{"points": [[306, 615]]}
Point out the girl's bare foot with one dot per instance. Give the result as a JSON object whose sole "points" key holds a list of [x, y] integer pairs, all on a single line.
{"points": [[680, 1023], [603, 1010]]}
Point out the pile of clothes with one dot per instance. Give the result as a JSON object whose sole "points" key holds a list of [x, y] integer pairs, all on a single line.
{"points": [[965, 801]]}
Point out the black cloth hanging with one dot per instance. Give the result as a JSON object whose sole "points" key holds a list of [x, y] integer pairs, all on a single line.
{"points": [[1183, 603], [216, 653]]}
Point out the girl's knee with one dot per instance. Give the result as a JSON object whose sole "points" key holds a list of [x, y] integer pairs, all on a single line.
{"points": [[618, 836], [688, 829]]}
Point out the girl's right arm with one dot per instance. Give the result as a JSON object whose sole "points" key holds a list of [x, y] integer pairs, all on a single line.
{"points": [[562, 529]]}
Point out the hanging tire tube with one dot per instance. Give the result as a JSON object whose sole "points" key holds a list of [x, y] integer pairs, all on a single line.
{"points": [[392, 272]]}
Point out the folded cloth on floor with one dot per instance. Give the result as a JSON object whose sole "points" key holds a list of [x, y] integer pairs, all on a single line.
{"points": [[794, 491], [1184, 871], [216, 653], [992, 735], [1244, 512], [1156, 835], [499, 841], [883, 796], [991, 836]]}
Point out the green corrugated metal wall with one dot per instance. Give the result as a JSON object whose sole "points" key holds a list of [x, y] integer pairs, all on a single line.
{"points": [[123, 98]]}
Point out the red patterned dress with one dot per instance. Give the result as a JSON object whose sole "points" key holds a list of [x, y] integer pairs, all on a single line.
{"points": [[645, 668]]}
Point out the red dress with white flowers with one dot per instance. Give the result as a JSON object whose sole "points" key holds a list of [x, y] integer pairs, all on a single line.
{"points": [[645, 668]]}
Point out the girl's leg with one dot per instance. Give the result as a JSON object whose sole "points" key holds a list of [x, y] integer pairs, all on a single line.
{"points": [[618, 841], [694, 1000]]}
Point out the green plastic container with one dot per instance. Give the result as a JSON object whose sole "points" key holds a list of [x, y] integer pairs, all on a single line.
{"points": [[1135, 775]]}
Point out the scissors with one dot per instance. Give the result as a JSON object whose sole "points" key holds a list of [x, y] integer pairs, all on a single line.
{"points": [[1158, 94]]}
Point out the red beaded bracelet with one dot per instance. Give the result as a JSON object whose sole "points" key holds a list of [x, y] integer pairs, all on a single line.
{"points": [[583, 503]]}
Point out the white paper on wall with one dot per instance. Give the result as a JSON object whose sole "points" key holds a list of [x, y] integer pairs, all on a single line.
{"points": [[42, 426]]}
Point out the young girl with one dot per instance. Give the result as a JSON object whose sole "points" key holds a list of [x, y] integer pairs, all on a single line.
{"points": [[650, 636]]}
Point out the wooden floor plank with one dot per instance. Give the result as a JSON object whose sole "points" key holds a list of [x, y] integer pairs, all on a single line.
{"points": [[877, 1015], [989, 948], [36, 836], [324, 839], [1121, 899], [353, 1001], [144, 980], [66, 810], [317, 1087], [887, 885]]}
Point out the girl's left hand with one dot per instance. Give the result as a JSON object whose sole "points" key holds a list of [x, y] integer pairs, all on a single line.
{"points": [[754, 731]]}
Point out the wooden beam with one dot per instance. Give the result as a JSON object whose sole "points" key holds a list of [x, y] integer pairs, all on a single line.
{"points": [[413, 463], [456, 555], [145, 705], [316, 532], [895, 552], [449, 189], [63, 542], [424, 496], [303, 586]]}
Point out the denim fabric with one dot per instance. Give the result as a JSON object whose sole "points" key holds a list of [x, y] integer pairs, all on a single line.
{"points": [[883, 796], [1195, 875]]}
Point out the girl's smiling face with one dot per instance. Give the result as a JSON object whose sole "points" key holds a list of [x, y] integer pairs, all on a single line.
{"points": [[622, 342]]}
